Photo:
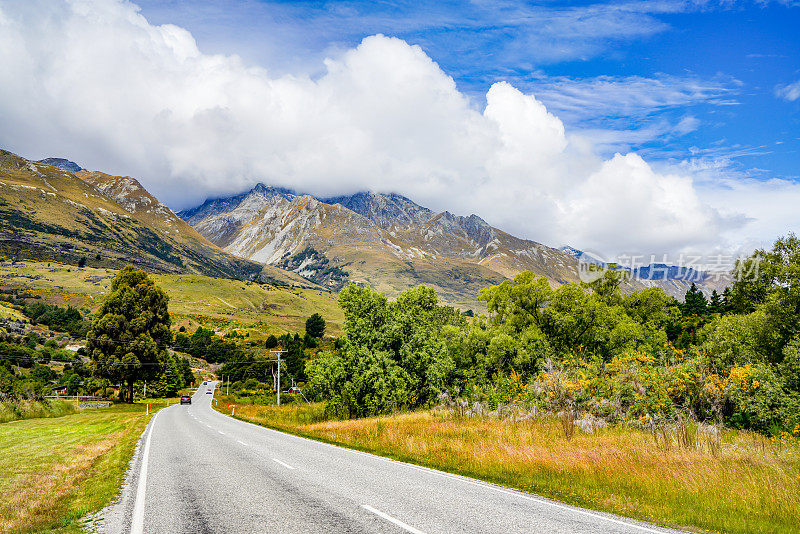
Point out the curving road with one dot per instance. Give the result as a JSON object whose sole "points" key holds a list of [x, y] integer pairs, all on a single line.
{"points": [[199, 471]]}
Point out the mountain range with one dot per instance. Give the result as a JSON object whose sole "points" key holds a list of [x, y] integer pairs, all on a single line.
{"points": [[54, 209], [386, 241]]}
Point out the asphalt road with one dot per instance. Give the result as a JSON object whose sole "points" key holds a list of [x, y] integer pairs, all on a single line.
{"points": [[199, 471]]}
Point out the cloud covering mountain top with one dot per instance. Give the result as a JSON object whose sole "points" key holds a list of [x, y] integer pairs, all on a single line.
{"points": [[95, 81]]}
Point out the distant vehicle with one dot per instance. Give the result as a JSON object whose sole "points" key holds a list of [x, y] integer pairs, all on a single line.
{"points": [[209, 392], [205, 383], [186, 399]]}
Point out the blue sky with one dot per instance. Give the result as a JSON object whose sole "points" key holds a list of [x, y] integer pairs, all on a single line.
{"points": [[673, 80]]}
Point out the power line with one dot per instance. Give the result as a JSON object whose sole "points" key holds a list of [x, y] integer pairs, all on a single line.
{"points": [[39, 360]]}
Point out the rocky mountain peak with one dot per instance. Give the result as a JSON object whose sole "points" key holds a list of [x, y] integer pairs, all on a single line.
{"points": [[63, 164], [271, 191], [256, 195], [384, 209]]}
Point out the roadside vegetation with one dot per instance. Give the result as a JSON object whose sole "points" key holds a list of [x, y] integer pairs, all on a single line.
{"points": [[686, 414], [640, 359], [734, 481], [53, 472]]}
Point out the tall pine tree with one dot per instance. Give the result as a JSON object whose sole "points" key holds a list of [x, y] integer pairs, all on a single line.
{"points": [[129, 335], [694, 303]]}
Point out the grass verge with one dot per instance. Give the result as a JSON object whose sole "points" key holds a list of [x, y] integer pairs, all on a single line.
{"points": [[748, 484], [13, 410], [55, 471]]}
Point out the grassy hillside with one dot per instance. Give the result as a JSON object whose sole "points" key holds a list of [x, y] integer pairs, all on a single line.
{"points": [[222, 304], [47, 213]]}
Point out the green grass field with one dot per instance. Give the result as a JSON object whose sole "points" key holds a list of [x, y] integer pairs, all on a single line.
{"points": [[54, 471], [218, 303], [746, 484]]}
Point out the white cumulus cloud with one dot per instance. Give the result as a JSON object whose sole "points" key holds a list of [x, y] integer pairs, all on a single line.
{"points": [[94, 81]]}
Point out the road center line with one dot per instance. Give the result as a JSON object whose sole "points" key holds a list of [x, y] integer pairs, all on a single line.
{"points": [[284, 464], [391, 519], [221, 432], [137, 522], [241, 443]]}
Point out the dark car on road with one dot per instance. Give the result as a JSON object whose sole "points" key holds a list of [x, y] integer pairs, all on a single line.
{"points": [[186, 399]]}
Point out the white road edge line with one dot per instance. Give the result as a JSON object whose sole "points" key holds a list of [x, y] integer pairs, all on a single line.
{"points": [[284, 464], [391, 519], [137, 521], [530, 497]]}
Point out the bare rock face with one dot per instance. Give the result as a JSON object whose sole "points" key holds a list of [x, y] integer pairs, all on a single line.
{"points": [[63, 164]]}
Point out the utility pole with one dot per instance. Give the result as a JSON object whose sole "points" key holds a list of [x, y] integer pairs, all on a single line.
{"points": [[278, 352]]}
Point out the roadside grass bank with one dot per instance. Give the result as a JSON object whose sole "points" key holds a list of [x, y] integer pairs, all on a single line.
{"points": [[748, 483], [14, 410], [54, 471]]}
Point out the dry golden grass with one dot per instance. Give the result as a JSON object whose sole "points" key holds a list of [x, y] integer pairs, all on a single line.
{"points": [[747, 484], [54, 471]]}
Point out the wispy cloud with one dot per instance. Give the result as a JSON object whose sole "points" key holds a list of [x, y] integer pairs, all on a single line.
{"points": [[630, 96], [790, 92], [622, 113], [455, 33]]}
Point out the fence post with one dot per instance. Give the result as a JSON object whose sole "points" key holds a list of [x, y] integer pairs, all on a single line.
{"points": [[233, 410], [148, 409]]}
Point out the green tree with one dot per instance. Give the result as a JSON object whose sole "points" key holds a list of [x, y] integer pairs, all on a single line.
{"points": [[715, 304], [315, 326], [128, 338], [73, 384], [695, 302], [392, 355], [171, 379], [295, 358]]}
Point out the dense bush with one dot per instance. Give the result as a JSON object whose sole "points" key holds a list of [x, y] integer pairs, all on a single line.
{"points": [[391, 358], [67, 319], [640, 358]]}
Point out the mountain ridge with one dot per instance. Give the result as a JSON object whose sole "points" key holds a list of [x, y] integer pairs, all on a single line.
{"points": [[52, 214], [385, 240]]}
